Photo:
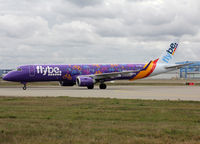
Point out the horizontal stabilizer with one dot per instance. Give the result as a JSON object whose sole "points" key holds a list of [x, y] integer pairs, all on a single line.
{"points": [[178, 66]]}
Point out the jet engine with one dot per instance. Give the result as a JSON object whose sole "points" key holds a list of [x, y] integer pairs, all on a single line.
{"points": [[85, 81]]}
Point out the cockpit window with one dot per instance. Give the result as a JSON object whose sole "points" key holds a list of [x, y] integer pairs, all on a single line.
{"points": [[19, 69]]}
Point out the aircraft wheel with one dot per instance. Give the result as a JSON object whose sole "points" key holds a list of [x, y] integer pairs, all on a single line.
{"points": [[90, 87], [24, 88], [102, 86]]}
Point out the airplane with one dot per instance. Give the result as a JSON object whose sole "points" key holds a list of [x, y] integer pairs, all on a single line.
{"points": [[87, 75]]}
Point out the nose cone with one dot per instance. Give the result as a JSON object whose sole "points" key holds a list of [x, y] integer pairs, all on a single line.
{"points": [[15, 76], [10, 76], [6, 77]]}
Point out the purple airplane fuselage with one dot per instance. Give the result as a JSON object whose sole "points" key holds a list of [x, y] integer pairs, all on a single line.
{"points": [[67, 73]]}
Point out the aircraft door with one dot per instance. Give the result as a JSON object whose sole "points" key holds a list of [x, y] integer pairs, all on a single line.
{"points": [[31, 71]]}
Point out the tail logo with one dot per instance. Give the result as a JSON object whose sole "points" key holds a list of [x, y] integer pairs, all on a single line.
{"points": [[170, 52]]}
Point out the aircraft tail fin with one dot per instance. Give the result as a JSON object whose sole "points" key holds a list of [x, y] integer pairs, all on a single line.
{"points": [[163, 64], [166, 61], [168, 56]]}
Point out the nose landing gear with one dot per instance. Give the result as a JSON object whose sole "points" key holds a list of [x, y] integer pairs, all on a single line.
{"points": [[24, 87]]}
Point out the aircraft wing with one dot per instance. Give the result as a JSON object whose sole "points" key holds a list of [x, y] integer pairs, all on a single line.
{"points": [[178, 66], [114, 75]]}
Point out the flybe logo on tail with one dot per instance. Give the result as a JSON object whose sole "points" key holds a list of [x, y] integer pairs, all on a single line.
{"points": [[170, 52]]}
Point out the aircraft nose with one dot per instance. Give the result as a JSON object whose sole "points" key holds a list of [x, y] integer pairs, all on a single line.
{"points": [[6, 77]]}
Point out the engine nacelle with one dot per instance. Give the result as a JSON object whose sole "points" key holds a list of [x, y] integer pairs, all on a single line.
{"points": [[67, 83], [85, 81]]}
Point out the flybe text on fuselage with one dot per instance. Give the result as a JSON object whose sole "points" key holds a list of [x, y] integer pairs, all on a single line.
{"points": [[170, 52], [48, 70]]}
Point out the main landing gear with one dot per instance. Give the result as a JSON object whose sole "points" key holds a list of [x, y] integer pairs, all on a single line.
{"points": [[102, 86], [90, 87]]}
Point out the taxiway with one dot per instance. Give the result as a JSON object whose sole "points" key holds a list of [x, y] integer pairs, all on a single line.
{"points": [[191, 93]]}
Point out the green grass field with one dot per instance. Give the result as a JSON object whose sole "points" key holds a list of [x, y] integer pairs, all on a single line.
{"points": [[65, 120]]}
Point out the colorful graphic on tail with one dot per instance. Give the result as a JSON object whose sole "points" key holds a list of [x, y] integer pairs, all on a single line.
{"points": [[147, 70]]}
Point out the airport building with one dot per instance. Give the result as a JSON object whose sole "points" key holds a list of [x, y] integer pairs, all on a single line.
{"points": [[190, 72]]}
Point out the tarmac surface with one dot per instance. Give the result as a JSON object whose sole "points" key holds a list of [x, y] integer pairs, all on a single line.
{"points": [[191, 93]]}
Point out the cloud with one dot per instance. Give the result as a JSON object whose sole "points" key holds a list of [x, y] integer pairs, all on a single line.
{"points": [[96, 31], [12, 26], [83, 3]]}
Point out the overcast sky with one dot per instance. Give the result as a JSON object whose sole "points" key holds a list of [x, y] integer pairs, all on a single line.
{"points": [[96, 31]]}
